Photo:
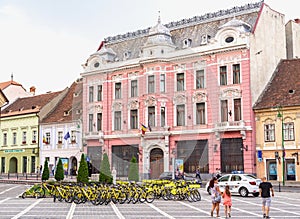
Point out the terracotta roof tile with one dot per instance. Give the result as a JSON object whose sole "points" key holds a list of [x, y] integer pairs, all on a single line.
{"points": [[66, 109], [5, 84], [283, 88], [29, 104]]}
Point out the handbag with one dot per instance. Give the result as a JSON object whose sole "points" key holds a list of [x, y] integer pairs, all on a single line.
{"points": [[217, 198]]}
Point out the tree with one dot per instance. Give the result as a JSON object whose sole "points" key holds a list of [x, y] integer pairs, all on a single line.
{"points": [[105, 173], [59, 173], [133, 174], [45, 175], [83, 173]]}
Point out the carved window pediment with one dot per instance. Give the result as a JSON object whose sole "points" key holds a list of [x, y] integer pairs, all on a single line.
{"points": [[199, 97], [99, 108], [134, 104], [116, 106], [179, 99], [150, 101], [231, 93]]}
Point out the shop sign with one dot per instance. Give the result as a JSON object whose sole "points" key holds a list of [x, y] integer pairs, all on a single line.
{"points": [[14, 150]]}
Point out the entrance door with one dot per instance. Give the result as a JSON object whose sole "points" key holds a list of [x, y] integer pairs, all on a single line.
{"points": [[74, 166], [13, 165], [232, 157], [156, 163]]}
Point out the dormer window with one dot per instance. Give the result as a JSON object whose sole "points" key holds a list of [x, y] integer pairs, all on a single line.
{"points": [[96, 64], [66, 113], [187, 43], [204, 39], [127, 54]]}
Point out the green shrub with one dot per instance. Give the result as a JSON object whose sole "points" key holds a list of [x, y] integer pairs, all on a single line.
{"points": [[105, 173], [59, 173], [46, 174], [133, 174], [83, 173]]}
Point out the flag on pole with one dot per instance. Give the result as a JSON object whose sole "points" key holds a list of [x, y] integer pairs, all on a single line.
{"points": [[44, 139], [67, 136], [143, 128]]}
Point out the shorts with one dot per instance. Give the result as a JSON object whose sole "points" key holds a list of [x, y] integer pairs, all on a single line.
{"points": [[266, 201]]}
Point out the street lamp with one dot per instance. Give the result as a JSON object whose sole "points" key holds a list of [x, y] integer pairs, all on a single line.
{"points": [[280, 115]]}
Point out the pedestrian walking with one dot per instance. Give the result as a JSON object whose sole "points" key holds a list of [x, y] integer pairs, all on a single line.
{"points": [[265, 189], [226, 195], [215, 196], [198, 173]]}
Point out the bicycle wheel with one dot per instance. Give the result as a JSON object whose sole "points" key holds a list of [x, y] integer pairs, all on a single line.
{"points": [[39, 192], [150, 196]]}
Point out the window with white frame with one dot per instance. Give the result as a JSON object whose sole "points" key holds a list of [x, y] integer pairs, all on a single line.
{"points": [[59, 137], [200, 80], [162, 86], [117, 120], [91, 94], [4, 139], [99, 121], [91, 122], [73, 136], [34, 136], [48, 137], [99, 93], [223, 75], [236, 73], [288, 130], [224, 110], [151, 84], [118, 94], [200, 113], [14, 138], [162, 116], [180, 115], [180, 81], [24, 137], [237, 109], [151, 115], [269, 130], [134, 119], [134, 88]]}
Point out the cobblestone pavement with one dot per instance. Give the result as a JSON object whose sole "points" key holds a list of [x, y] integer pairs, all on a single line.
{"points": [[284, 205]]}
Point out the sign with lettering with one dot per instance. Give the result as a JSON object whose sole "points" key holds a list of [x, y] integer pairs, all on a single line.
{"points": [[14, 150]]}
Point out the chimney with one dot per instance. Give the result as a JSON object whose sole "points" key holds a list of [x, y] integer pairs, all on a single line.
{"points": [[32, 90], [297, 20]]}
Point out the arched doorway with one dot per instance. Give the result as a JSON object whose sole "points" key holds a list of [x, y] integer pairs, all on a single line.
{"points": [[73, 169], [156, 163], [13, 165]]}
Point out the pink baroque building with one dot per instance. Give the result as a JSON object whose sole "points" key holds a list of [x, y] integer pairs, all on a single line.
{"points": [[190, 83]]}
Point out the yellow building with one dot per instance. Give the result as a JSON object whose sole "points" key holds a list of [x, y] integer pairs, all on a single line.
{"points": [[277, 114]]}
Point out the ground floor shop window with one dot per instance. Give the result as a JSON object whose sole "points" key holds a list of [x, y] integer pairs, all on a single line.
{"points": [[121, 157], [232, 156], [194, 154], [271, 169], [290, 169], [95, 156]]}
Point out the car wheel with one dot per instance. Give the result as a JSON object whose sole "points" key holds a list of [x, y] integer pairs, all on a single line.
{"points": [[256, 194], [243, 192]]}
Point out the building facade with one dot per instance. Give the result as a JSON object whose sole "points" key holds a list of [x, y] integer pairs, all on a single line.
{"points": [[191, 85], [61, 132], [19, 134], [277, 124]]}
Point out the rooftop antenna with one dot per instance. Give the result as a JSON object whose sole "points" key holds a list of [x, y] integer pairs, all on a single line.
{"points": [[159, 17], [12, 77]]}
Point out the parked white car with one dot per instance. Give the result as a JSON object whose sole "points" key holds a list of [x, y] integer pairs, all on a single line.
{"points": [[242, 184]]}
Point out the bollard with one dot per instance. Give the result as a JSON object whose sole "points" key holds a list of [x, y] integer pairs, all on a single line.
{"points": [[279, 189]]}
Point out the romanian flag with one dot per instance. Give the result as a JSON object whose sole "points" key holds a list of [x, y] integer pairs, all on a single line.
{"points": [[143, 128]]}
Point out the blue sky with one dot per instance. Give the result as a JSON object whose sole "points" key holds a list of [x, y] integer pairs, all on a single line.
{"points": [[44, 42]]}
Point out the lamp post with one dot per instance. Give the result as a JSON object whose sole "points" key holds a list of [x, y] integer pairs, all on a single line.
{"points": [[280, 115]]}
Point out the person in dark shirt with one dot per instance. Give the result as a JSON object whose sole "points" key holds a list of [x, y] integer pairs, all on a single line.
{"points": [[265, 189]]}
